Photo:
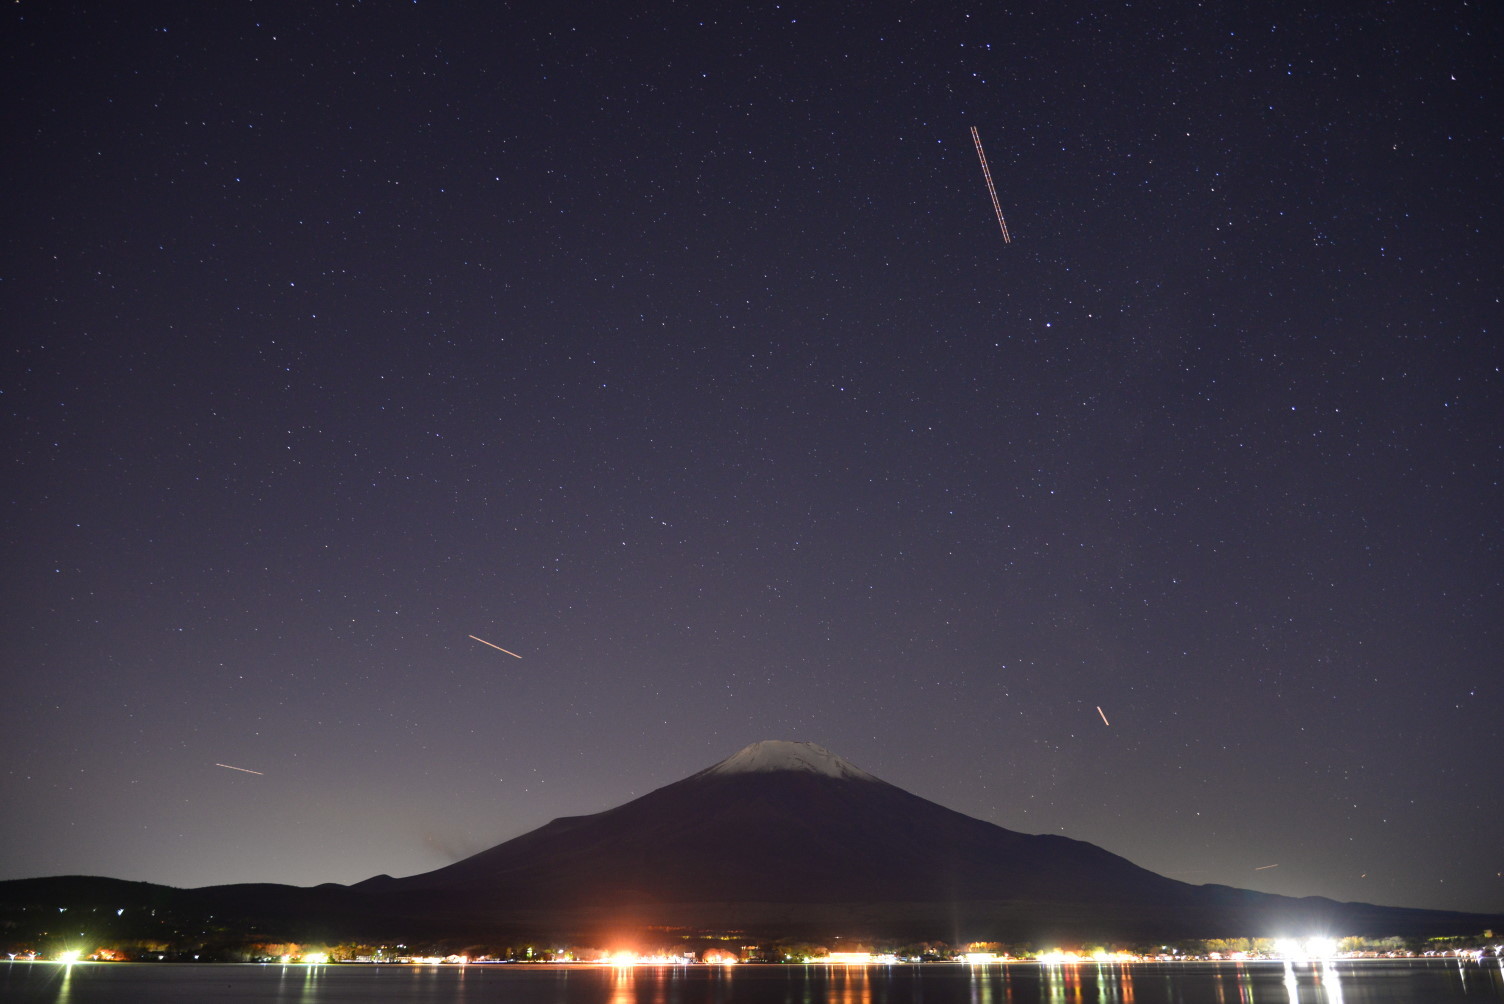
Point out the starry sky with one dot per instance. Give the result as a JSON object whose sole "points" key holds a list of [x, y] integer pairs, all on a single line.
{"points": [[679, 352]]}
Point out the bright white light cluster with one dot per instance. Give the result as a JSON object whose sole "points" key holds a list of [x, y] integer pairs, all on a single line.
{"points": [[1311, 949]]}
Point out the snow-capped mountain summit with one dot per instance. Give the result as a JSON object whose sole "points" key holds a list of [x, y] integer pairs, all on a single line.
{"points": [[772, 755]]}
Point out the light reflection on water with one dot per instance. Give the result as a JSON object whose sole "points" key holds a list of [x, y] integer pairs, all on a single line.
{"points": [[1398, 981], [310, 994], [1331, 982], [621, 989], [1102, 982], [989, 985]]}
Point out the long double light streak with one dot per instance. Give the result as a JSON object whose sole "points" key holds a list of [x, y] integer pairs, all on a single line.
{"points": [[991, 189]]}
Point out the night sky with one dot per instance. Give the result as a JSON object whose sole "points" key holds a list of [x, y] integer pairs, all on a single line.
{"points": [[681, 354]]}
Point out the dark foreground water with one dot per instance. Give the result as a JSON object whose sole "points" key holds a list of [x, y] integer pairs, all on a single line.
{"points": [[1431, 981]]}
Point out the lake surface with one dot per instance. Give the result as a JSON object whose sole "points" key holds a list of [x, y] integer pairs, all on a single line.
{"points": [[1385, 981]]}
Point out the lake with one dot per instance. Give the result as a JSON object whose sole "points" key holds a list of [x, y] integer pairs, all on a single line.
{"points": [[1378, 981]]}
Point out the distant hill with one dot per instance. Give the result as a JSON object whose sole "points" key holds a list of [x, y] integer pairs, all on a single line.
{"points": [[780, 839]]}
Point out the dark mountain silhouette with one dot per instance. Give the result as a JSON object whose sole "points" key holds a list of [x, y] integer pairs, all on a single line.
{"points": [[781, 823], [789, 836], [787, 839]]}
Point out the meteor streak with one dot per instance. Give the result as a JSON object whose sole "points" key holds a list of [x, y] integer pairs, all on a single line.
{"points": [[992, 191], [1265, 867], [498, 648], [1104, 716], [243, 770]]}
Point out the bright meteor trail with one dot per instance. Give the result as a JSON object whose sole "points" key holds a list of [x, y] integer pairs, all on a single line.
{"points": [[992, 191], [498, 648], [243, 770]]}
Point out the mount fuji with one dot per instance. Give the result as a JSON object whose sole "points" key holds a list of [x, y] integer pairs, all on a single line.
{"points": [[781, 839], [788, 836]]}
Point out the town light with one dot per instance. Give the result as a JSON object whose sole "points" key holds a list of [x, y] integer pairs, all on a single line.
{"points": [[1312, 948], [1321, 948]]}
